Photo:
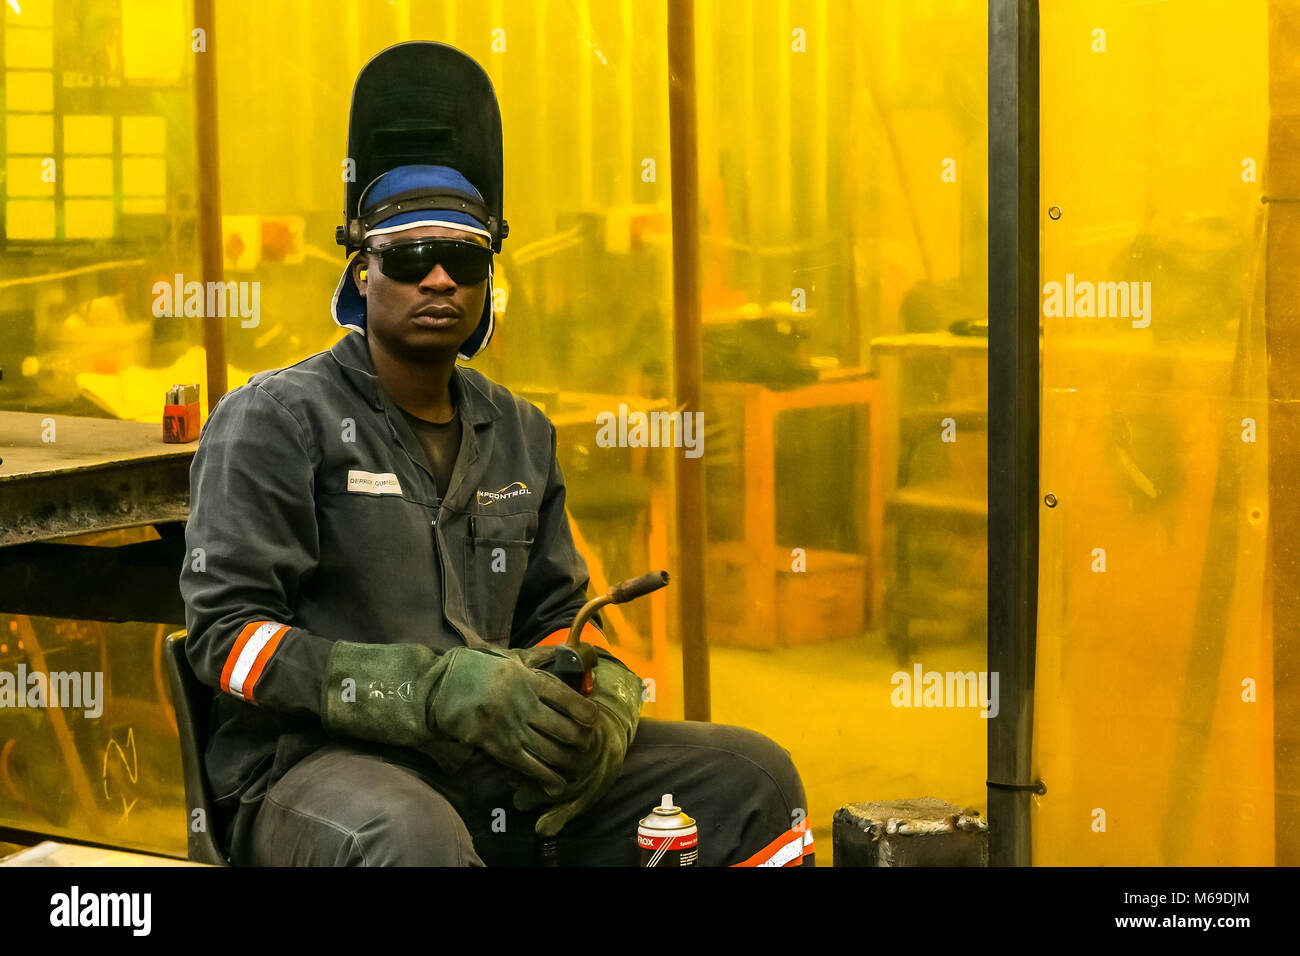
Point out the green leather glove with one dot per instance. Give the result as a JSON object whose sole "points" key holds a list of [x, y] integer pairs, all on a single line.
{"points": [[534, 658], [408, 694], [379, 692], [617, 695]]}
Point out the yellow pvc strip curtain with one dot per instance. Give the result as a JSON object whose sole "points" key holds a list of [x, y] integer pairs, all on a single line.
{"points": [[1153, 710]]}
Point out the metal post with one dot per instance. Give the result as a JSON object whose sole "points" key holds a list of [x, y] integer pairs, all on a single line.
{"points": [[1282, 325], [209, 203], [1013, 418], [692, 536]]}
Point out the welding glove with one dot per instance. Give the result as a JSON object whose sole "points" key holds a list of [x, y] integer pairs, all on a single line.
{"points": [[534, 658], [617, 695], [408, 695]]}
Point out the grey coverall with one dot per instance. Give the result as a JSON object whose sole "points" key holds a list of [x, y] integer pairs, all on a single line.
{"points": [[314, 518]]}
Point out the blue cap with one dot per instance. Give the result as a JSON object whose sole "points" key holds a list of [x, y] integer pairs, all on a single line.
{"points": [[348, 305]]}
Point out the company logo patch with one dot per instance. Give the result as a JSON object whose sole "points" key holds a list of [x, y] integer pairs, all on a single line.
{"points": [[366, 482], [512, 490]]}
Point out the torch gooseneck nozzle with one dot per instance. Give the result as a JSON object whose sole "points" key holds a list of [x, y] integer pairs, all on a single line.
{"points": [[620, 593]]}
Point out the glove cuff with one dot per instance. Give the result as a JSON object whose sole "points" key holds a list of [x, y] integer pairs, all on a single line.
{"points": [[379, 692]]}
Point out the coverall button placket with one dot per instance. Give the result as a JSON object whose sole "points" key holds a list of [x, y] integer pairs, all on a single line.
{"points": [[442, 573]]}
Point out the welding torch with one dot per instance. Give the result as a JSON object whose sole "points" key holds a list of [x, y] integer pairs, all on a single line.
{"points": [[575, 659]]}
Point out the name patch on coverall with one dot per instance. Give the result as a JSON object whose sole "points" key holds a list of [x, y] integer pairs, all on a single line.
{"points": [[373, 484]]}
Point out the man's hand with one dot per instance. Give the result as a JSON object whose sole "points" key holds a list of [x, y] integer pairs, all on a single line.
{"points": [[534, 658], [530, 722], [409, 695], [617, 694]]}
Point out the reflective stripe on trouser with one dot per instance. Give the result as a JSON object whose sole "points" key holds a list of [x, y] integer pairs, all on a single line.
{"points": [[788, 849]]}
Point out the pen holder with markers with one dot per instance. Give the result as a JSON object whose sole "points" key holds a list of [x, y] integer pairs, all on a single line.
{"points": [[181, 414]]}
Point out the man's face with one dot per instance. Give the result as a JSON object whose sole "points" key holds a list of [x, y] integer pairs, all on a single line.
{"points": [[421, 319]]}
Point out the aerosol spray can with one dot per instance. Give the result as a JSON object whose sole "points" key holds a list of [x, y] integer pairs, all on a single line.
{"points": [[667, 837]]}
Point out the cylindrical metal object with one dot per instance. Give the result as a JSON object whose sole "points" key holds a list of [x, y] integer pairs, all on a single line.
{"points": [[688, 361], [1013, 428], [209, 194], [667, 837]]}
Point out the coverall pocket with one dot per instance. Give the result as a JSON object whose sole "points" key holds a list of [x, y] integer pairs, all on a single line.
{"points": [[494, 573]]}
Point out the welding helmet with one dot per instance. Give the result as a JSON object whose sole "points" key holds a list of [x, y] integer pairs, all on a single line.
{"points": [[424, 146]]}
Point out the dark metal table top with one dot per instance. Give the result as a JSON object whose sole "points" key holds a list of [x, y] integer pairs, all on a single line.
{"points": [[97, 474]]}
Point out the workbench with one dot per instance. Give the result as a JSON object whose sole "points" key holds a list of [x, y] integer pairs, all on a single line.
{"points": [[758, 598], [935, 515], [94, 475], [92, 516]]}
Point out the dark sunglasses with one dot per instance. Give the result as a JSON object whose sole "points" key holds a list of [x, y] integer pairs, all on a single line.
{"points": [[466, 262]]}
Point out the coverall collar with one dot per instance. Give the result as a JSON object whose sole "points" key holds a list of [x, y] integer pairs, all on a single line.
{"points": [[353, 354]]}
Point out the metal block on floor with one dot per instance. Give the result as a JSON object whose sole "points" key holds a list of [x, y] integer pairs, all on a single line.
{"points": [[921, 832]]}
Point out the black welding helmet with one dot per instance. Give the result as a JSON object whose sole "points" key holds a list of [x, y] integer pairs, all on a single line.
{"points": [[421, 104]]}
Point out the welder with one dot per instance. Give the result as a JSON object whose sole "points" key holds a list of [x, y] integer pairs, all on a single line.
{"points": [[386, 570]]}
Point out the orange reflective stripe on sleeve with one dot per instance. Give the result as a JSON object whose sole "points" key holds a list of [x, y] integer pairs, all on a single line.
{"points": [[591, 634], [788, 849], [247, 659]]}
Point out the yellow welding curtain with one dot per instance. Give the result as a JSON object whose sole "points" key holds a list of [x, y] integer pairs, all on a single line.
{"points": [[1153, 724]]}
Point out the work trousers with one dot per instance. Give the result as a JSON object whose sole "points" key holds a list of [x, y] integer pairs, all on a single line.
{"points": [[350, 803]]}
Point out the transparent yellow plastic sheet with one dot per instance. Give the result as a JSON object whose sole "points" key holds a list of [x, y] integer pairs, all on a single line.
{"points": [[843, 194], [104, 765], [843, 197], [1153, 707], [854, 173]]}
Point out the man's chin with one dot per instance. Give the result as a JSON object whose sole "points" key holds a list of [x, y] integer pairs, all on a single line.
{"points": [[426, 344]]}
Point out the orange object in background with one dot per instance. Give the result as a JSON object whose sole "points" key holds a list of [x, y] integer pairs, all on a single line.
{"points": [[181, 414]]}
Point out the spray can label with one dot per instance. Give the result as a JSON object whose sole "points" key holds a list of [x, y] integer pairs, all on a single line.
{"points": [[668, 837]]}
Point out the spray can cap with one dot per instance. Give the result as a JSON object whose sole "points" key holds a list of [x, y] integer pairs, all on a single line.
{"points": [[666, 806]]}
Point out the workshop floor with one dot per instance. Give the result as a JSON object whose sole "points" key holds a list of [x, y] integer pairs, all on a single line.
{"points": [[830, 706]]}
